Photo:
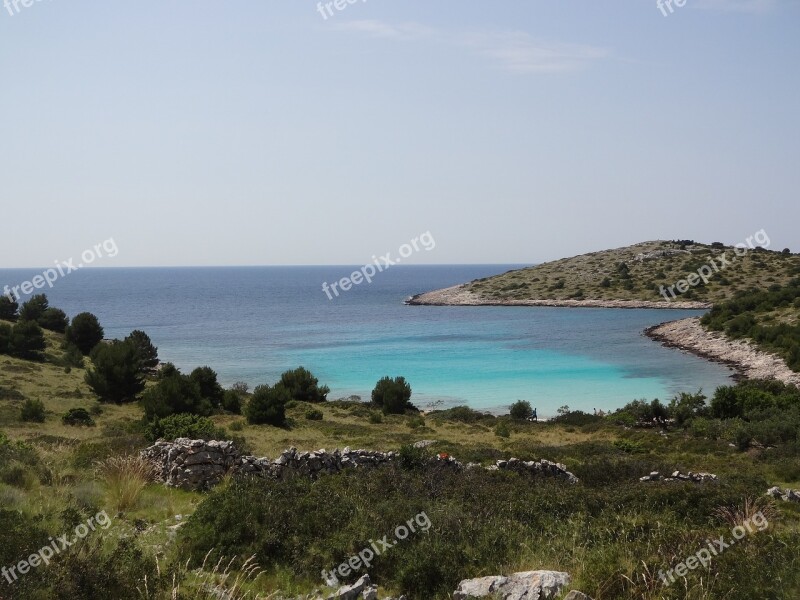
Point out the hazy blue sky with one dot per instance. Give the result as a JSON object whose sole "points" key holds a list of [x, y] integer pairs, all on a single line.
{"points": [[257, 132]]}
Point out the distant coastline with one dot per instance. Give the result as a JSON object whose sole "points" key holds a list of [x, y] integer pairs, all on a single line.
{"points": [[460, 295]]}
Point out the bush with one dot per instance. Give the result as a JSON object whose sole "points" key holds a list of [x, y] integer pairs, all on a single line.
{"points": [[85, 332], [146, 352], [376, 418], [27, 341], [32, 411], [73, 357], [34, 308], [521, 410], [685, 407], [183, 425], [314, 415], [392, 395], [54, 319], [461, 414], [8, 309], [207, 384], [78, 416], [577, 418], [232, 402], [241, 388], [415, 422], [116, 375], [172, 395], [268, 405], [502, 430], [303, 386], [628, 446], [5, 337]]}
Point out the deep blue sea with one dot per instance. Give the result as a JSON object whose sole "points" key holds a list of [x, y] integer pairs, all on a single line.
{"points": [[252, 323]]}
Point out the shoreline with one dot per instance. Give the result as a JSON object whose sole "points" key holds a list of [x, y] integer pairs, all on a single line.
{"points": [[458, 295], [688, 335]]}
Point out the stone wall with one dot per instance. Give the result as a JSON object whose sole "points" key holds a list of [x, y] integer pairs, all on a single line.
{"points": [[197, 464]]}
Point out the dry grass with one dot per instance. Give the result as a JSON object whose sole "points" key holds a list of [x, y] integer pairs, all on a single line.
{"points": [[220, 582], [738, 515], [125, 478]]}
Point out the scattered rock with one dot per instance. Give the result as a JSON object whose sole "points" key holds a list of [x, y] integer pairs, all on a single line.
{"points": [[786, 495], [576, 595], [678, 476], [351, 592], [528, 585], [424, 443]]}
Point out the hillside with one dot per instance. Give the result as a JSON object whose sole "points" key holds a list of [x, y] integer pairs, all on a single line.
{"points": [[640, 275]]}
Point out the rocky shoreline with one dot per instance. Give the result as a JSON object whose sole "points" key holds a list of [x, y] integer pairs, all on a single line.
{"points": [[459, 295], [745, 358]]}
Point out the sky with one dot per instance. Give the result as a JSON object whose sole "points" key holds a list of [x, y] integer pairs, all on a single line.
{"points": [[279, 132]]}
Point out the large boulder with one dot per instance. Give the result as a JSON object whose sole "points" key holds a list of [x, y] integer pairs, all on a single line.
{"points": [[528, 585]]}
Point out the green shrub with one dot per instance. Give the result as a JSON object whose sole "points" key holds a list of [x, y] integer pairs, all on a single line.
{"points": [[314, 415], [207, 384], [415, 422], [73, 357], [85, 332], [27, 341], [303, 386], [54, 319], [174, 394], [32, 411], [628, 446], [577, 418], [232, 402], [268, 405], [78, 416], [502, 430], [183, 426], [521, 410], [376, 418], [8, 308], [146, 352], [116, 374], [34, 308], [461, 414], [392, 395]]}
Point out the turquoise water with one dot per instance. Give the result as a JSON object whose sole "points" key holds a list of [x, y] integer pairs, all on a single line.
{"points": [[253, 323]]}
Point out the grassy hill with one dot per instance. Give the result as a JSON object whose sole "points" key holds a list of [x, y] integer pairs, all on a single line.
{"points": [[637, 273]]}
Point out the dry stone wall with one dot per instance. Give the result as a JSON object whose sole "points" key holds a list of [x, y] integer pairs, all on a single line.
{"points": [[197, 464]]}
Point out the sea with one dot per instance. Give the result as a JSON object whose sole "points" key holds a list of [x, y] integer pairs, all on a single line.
{"points": [[252, 323]]}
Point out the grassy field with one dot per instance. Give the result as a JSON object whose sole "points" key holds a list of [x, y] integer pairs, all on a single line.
{"points": [[610, 532], [637, 272]]}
